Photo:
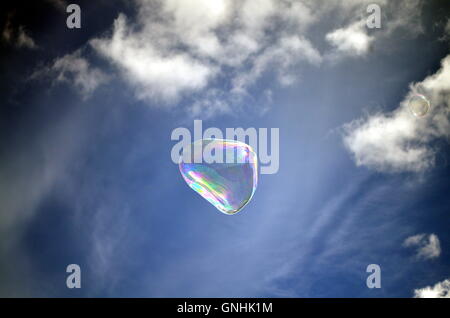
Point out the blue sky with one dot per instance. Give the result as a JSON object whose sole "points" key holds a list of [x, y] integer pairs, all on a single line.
{"points": [[87, 177]]}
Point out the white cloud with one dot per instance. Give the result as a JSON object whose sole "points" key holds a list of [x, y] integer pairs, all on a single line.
{"points": [[154, 73], [428, 247], [76, 70], [195, 22], [439, 290], [398, 141], [176, 49], [388, 143], [351, 40]]}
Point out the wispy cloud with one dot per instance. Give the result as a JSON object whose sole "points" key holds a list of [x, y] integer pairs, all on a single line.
{"points": [[108, 235], [283, 56], [31, 168], [75, 70], [427, 246], [439, 290], [17, 36]]}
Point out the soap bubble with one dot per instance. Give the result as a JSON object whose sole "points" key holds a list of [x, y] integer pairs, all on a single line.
{"points": [[419, 105], [224, 172]]}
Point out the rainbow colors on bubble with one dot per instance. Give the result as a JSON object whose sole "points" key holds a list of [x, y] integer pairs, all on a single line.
{"points": [[223, 172]]}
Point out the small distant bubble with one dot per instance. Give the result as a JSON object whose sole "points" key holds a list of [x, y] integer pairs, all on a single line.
{"points": [[419, 105]]}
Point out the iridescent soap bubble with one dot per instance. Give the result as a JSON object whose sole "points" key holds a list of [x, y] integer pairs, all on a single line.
{"points": [[419, 105], [224, 172]]}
